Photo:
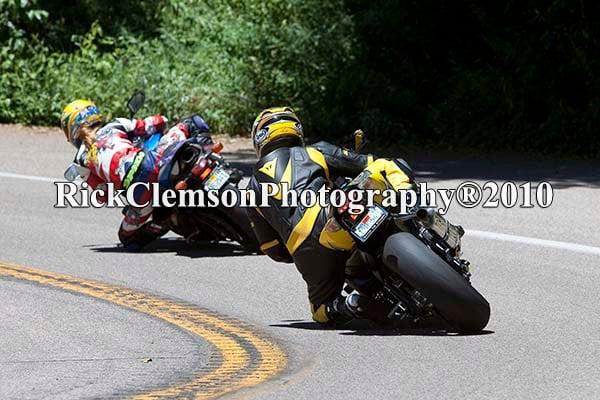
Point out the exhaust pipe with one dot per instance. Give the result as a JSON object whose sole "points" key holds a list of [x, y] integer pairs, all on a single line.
{"points": [[433, 220], [188, 156]]}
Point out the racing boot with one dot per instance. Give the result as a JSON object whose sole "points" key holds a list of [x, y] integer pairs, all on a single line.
{"points": [[135, 240], [342, 309], [363, 307], [332, 313]]}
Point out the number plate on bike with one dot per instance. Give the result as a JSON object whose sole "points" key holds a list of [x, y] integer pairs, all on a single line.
{"points": [[216, 180], [369, 223]]}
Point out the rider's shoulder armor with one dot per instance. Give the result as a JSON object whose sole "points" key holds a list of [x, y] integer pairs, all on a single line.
{"points": [[296, 166]]}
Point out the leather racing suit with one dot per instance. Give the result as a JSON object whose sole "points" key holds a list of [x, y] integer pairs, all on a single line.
{"points": [[118, 156], [299, 234]]}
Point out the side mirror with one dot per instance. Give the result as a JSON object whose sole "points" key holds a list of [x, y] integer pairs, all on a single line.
{"points": [[136, 102]]}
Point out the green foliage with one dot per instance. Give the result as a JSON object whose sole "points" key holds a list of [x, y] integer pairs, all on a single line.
{"points": [[463, 74], [224, 59]]}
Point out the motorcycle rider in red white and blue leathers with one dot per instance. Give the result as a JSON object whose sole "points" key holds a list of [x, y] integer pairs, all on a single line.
{"points": [[114, 153]]}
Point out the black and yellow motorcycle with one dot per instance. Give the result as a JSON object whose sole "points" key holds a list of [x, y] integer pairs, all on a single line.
{"points": [[415, 272]]}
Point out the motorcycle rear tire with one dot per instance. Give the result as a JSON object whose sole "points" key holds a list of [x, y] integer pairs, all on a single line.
{"points": [[453, 297]]}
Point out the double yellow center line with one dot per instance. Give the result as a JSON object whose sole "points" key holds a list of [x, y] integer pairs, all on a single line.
{"points": [[243, 358]]}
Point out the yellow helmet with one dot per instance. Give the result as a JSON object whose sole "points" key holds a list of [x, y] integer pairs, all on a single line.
{"points": [[276, 125], [76, 114]]}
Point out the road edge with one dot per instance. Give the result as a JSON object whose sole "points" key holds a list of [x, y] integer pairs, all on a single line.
{"points": [[245, 358]]}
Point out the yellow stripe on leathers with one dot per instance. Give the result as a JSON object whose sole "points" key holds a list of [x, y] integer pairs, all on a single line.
{"points": [[269, 245], [334, 237], [317, 157], [303, 228], [235, 370]]}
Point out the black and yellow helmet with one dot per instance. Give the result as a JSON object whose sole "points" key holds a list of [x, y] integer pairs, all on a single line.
{"points": [[274, 127]]}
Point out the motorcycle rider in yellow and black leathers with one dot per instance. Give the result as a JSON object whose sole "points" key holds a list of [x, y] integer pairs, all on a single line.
{"points": [[304, 235]]}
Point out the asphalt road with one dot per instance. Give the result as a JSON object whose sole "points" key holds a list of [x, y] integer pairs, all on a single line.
{"points": [[542, 341], [60, 345]]}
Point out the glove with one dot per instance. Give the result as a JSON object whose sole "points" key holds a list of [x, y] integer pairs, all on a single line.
{"points": [[150, 125]]}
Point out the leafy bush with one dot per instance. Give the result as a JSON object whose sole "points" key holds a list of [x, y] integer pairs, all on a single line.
{"points": [[463, 74], [224, 59]]}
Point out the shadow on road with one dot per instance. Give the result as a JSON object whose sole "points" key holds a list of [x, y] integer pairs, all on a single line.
{"points": [[182, 248], [243, 160], [431, 168], [562, 174], [364, 328]]}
